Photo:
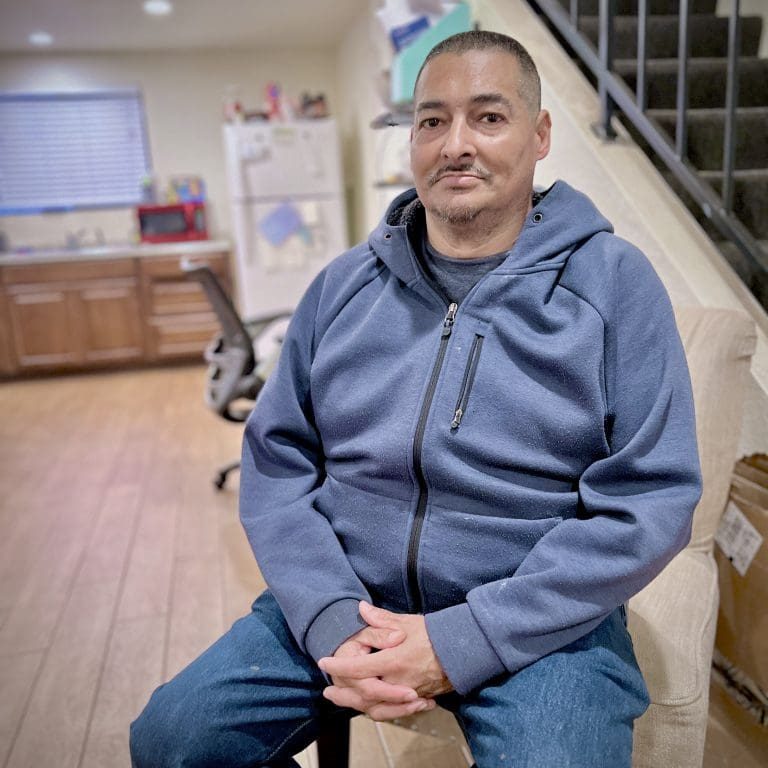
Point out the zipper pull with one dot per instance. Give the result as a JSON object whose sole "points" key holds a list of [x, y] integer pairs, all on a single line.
{"points": [[449, 319], [457, 418]]}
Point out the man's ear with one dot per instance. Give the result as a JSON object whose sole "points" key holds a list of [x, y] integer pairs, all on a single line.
{"points": [[543, 134]]}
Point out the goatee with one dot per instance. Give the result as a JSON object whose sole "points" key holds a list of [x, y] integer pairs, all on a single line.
{"points": [[455, 216]]}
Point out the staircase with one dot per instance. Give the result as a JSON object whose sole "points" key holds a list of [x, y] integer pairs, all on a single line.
{"points": [[707, 69]]}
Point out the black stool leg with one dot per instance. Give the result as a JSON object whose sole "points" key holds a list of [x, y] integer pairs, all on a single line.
{"points": [[333, 744]]}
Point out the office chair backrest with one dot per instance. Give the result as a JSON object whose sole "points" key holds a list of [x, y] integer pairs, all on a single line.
{"points": [[230, 356], [233, 329]]}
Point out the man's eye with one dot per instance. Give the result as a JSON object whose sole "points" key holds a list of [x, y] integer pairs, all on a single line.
{"points": [[492, 117], [430, 122]]}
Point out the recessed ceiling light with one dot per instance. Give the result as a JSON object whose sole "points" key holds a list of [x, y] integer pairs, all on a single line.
{"points": [[40, 38], [157, 7]]}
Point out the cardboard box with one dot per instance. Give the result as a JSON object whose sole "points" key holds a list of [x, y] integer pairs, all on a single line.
{"points": [[742, 629]]}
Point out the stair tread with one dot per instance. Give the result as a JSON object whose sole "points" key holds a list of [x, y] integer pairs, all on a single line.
{"points": [[707, 113], [701, 62], [745, 174], [708, 34], [630, 19], [658, 6], [664, 16]]}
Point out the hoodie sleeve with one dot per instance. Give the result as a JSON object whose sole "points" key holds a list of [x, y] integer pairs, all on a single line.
{"points": [[282, 469], [635, 505]]}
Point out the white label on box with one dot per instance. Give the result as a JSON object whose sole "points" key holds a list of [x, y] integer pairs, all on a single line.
{"points": [[738, 538]]}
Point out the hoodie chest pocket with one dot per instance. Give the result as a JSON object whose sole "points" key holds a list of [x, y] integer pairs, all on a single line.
{"points": [[467, 380]]}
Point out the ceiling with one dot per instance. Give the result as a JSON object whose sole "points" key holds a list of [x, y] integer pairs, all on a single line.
{"points": [[109, 25]]}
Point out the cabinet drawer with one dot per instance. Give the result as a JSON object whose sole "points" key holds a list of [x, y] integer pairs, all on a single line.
{"points": [[182, 336], [171, 297]]}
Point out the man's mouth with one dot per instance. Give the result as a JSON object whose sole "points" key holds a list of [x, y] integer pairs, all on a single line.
{"points": [[459, 174]]}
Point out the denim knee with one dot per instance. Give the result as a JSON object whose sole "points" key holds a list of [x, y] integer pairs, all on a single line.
{"points": [[167, 734], [151, 737]]}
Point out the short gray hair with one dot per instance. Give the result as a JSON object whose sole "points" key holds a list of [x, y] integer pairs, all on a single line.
{"points": [[529, 87]]}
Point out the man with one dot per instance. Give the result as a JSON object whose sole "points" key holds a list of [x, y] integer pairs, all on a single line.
{"points": [[477, 445]]}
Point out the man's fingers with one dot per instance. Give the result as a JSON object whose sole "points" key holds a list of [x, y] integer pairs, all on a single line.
{"points": [[380, 638], [375, 690], [357, 667], [353, 699], [384, 712], [377, 617]]}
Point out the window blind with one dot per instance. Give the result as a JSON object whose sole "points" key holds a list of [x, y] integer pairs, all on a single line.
{"points": [[63, 151]]}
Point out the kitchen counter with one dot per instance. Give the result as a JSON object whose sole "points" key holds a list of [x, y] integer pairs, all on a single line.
{"points": [[113, 251], [67, 309]]}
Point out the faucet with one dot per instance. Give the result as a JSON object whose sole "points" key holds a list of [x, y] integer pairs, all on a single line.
{"points": [[74, 239]]}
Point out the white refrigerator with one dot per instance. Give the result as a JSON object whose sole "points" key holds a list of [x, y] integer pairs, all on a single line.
{"points": [[288, 210]]}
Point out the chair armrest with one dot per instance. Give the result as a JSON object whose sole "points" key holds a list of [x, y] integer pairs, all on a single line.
{"points": [[672, 623]]}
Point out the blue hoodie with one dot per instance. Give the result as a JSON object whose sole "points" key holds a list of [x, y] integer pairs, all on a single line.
{"points": [[514, 468]]}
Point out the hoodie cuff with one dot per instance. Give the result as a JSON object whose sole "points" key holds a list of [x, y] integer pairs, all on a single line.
{"points": [[332, 626], [462, 648]]}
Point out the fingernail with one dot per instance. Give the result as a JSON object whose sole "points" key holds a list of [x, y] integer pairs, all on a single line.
{"points": [[422, 706]]}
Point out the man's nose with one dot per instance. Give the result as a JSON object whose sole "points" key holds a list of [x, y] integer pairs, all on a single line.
{"points": [[458, 141]]}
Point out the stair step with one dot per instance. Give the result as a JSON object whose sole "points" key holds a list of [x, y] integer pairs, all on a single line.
{"points": [[752, 276], [706, 81], [708, 35], [750, 199], [627, 7], [706, 131]]}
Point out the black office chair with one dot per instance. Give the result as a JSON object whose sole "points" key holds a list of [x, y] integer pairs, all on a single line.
{"points": [[235, 372]]}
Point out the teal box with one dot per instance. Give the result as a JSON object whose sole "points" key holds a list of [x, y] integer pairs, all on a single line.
{"points": [[407, 63]]}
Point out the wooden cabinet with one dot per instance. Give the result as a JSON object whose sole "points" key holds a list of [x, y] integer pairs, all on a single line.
{"points": [[65, 315], [180, 321], [7, 349], [73, 314]]}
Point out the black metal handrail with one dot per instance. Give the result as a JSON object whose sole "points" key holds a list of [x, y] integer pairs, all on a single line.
{"points": [[614, 94]]}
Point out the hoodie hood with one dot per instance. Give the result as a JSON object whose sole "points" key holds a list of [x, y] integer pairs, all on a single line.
{"points": [[559, 224]]}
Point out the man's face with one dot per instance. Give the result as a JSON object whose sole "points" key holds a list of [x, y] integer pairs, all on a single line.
{"points": [[475, 141]]}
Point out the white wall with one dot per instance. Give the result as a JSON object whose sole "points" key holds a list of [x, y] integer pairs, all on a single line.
{"points": [[363, 56], [183, 94]]}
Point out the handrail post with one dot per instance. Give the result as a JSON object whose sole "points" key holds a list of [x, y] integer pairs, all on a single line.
{"points": [[683, 52], [575, 13], [731, 101], [607, 104], [642, 36]]}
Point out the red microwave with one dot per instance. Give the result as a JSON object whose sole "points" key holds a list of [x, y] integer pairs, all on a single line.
{"points": [[172, 222]]}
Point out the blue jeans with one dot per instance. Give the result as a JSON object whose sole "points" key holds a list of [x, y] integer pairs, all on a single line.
{"points": [[254, 699]]}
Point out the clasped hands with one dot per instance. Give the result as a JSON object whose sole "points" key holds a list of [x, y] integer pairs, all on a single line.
{"points": [[399, 680]]}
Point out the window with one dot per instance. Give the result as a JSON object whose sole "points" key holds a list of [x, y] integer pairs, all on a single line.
{"points": [[63, 151]]}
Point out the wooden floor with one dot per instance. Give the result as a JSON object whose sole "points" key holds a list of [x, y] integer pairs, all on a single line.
{"points": [[119, 563]]}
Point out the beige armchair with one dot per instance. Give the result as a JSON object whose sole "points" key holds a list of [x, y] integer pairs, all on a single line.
{"points": [[673, 620]]}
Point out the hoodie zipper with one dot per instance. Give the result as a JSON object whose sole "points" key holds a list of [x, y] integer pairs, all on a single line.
{"points": [[418, 442], [467, 381]]}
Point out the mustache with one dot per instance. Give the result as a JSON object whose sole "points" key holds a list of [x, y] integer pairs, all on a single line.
{"points": [[468, 168]]}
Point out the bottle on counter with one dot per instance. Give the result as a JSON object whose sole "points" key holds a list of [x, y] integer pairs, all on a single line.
{"points": [[233, 105]]}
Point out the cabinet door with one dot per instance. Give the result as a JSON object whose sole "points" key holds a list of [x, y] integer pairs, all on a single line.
{"points": [[7, 352], [110, 321], [44, 328]]}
